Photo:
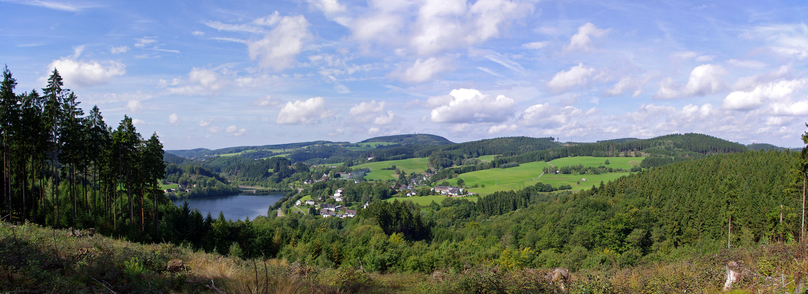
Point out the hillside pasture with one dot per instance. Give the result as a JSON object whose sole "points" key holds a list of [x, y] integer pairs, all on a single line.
{"points": [[426, 200], [589, 161], [368, 146], [526, 174], [499, 179], [412, 165], [487, 158]]}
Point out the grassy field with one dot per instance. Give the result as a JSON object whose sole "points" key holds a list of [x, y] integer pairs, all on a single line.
{"points": [[498, 179], [525, 175], [589, 161], [487, 158], [426, 200], [169, 186], [416, 165], [368, 146]]}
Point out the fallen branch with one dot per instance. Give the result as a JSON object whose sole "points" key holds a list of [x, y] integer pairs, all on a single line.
{"points": [[102, 284], [212, 286]]}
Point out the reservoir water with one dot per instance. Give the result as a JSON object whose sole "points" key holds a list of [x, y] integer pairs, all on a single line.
{"points": [[234, 207]]}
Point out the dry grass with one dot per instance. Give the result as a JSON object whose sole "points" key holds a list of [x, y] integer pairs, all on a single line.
{"points": [[36, 259]]}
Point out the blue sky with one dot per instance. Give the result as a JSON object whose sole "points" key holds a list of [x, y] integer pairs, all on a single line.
{"points": [[218, 74]]}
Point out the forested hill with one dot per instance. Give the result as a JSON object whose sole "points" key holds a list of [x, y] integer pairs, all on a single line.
{"points": [[767, 147], [682, 146], [411, 139], [200, 152]]}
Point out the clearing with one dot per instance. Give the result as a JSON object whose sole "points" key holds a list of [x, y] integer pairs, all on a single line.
{"points": [[412, 165]]}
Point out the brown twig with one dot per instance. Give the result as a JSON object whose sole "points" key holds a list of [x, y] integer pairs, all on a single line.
{"points": [[212, 286], [102, 284]]}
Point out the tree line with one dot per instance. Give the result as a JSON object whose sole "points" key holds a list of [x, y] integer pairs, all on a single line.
{"points": [[64, 168]]}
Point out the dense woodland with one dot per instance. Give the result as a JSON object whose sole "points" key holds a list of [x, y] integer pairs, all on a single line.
{"points": [[63, 168]]}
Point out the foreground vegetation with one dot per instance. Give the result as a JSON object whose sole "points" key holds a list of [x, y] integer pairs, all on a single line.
{"points": [[36, 259]]}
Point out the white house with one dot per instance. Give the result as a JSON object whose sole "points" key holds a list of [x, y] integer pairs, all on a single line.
{"points": [[309, 202]]}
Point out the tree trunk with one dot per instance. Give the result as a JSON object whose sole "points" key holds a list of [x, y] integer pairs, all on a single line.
{"points": [[729, 232], [56, 186], [802, 230], [73, 192]]}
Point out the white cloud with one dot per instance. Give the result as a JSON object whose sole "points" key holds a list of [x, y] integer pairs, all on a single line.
{"points": [[430, 27], [86, 74], [205, 122], [367, 107], [246, 28], [501, 128], [138, 122], [705, 58], [202, 81], [789, 40], [422, 70], [535, 45], [267, 101], [799, 108], [142, 42], [469, 105], [750, 64], [134, 105], [121, 49], [384, 120], [173, 119], [497, 58], [704, 80], [582, 41], [304, 112], [750, 82], [235, 131], [630, 83], [214, 129], [52, 5], [279, 48], [269, 20], [577, 76], [748, 100], [373, 131], [546, 116], [332, 9]]}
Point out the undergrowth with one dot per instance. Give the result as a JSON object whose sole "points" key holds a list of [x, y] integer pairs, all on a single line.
{"points": [[41, 260]]}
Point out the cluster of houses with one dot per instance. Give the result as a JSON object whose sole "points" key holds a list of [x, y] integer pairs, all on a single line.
{"points": [[449, 191], [329, 210]]}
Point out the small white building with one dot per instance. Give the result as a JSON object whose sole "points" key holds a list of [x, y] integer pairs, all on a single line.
{"points": [[309, 202]]}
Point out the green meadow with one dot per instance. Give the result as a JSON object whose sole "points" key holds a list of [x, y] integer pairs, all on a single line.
{"points": [[169, 186], [416, 165], [589, 161], [426, 200], [487, 158], [368, 146], [526, 174], [499, 179]]}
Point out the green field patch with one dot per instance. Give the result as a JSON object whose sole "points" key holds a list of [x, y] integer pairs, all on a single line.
{"points": [[426, 200], [169, 186], [412, 165], [577, 182], [589, 161], [502, 179], [487, 158]]}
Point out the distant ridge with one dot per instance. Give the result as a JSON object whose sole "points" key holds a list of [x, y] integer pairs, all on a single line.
{"points": [[618, 141], [411, 139], [767, 147]]}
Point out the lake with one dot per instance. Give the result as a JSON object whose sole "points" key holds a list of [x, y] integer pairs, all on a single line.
{"points": [[234, 207]]}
